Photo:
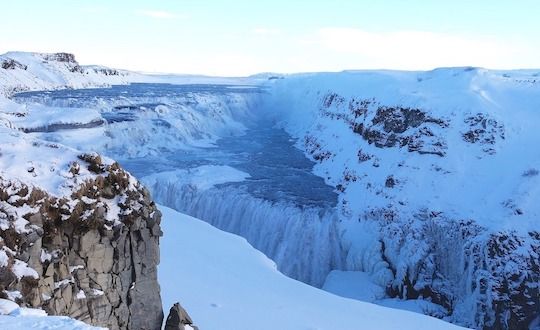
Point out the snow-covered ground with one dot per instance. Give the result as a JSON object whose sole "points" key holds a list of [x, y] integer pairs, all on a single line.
{"points": [[225, 283], [14, 317], [43, 323]]}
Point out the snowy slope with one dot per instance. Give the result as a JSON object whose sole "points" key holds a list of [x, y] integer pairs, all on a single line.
{"points": [[230, 285], [43, 323], [23, 71], [438, 180]]}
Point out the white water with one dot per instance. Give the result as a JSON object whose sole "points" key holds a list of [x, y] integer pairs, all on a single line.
{"points": [[304, 243], [282, 209]]}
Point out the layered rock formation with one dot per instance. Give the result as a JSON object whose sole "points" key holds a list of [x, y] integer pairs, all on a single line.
{"points": [[88, 250]]}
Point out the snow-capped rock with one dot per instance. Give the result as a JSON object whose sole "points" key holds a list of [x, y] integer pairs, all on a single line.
{"points": [[79, 235]]}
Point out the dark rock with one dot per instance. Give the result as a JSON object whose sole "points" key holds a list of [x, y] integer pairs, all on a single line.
{"points": [[178, 318], [103, 276], [60, 57], [390, 182], [11, 64], [389, 126], [483, 130]]}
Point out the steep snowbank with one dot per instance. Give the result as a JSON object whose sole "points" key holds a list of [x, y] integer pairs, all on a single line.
{"points": [[230, 285]]}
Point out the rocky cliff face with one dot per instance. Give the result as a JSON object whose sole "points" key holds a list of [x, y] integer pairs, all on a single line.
{"points": [[89, 249], [434, 169], [458, 264]]}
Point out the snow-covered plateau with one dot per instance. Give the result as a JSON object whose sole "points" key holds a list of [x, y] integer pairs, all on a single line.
{"points": [[410, 190]]}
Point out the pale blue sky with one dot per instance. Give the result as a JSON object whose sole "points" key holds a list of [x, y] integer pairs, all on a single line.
{"points": [[243, 37]]}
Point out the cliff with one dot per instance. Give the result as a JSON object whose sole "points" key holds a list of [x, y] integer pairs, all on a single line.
{"points": [[78, 235]]}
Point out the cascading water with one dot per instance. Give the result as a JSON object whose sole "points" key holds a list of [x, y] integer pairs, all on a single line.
{"points": [[304, 243], [282, 209]]}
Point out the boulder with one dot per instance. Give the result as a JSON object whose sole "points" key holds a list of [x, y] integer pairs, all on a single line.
{"points": [[178, 319]]}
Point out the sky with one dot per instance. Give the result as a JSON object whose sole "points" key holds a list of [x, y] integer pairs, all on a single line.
{"points": [[242, 37]]}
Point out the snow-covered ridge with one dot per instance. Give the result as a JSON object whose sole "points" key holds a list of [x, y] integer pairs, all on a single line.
{"points": [[22, 71], [14, 317]]}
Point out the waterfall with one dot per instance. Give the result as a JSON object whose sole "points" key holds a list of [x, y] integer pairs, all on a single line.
{"points": [[303, 242]]}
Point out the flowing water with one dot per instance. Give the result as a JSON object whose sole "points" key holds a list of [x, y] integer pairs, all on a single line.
{"points": [[282, 209]]}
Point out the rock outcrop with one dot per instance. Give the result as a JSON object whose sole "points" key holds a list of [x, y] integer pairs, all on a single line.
{"points": [[11, 64], [91, 253], [179, 319], [388, 126]]}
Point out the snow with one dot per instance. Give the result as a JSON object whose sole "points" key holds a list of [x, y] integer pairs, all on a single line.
{"points": [[39, 117], [361, 286], [201, 178], [354, 285], [80, 295], [41, 164], [23, 311], [7, 306], [230, 285], [21, 269], [43, 323], [96, 292], [3, 258], [467, 174], [14, 317]]}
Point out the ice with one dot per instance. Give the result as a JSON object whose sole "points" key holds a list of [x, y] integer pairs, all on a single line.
{"points": [[355, 285]]}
